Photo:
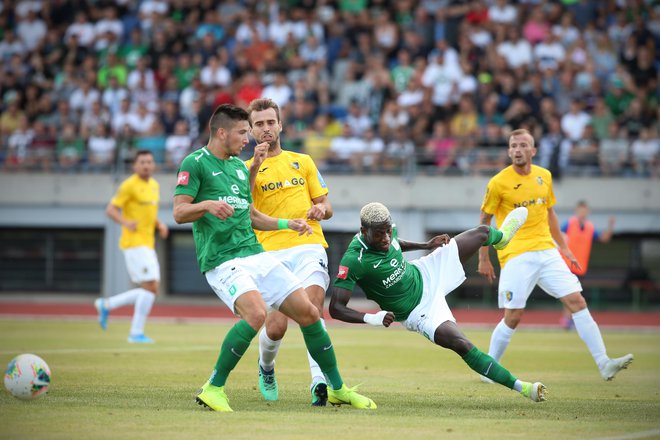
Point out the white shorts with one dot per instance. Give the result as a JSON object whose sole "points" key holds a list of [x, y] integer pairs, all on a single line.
{"points": [[442, 272], [308, 262], [260, 272], [545, 268], [142, 264]]}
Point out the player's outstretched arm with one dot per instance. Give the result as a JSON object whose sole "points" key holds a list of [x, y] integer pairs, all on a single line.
{"points": [[265, 222], [558, 237], [435, 242], [339, 309], [185, 211]]}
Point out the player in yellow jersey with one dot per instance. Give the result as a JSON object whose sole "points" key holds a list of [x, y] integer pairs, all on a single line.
{"points": [[531, 257], [288, 185], [135, 208]]}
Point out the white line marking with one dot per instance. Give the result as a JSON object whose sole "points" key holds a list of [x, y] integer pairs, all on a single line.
{"points": [[633, 435]]}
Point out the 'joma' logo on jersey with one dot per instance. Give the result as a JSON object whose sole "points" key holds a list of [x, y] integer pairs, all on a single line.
{"points": [[271, 186]]}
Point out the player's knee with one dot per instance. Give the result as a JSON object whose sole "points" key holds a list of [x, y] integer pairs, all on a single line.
{"points": [[512, 321], [309, 316], [276, 327], [482, 232], [255, 318]]}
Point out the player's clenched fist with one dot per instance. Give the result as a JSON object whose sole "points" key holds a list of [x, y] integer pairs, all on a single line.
{"points": [[219, 208]]}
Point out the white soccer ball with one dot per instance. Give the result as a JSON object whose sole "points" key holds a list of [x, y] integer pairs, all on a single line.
{"points": [[27, 377]]}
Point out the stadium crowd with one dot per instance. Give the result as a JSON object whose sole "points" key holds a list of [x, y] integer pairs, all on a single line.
{"points": [[364, 85]]}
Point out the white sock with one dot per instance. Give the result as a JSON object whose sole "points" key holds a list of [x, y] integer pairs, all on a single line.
{"points": [[590, 333], [142, 308], [123, 299], [517, 385], [267, 350], [500, 339], [317, 374]]}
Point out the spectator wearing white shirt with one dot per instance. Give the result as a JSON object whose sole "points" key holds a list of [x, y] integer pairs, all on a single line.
{"points": [[31, 30], [82, 29], [141, 72], [644, 153], [313, 50], [515, 49], [549, 53], [566, 33], [151, 11], [214, 74], [101, 148], [574, 122], [357, 119], [121, 116], [113, 95], [141, 120], [83, 98], [279, 90], [177, 145], [108, 29], [279, 28], [502, 13], [26, 6], [441, 77]]}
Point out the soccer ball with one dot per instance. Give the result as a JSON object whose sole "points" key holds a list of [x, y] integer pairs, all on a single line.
{"points": [[27, 377]]}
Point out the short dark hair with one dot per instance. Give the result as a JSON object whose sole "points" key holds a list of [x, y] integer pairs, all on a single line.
{"points": [[226, 116], [261, 104], [139, 153]]}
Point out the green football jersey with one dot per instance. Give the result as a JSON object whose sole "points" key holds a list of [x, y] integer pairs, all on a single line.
{"points": [[386, 277], [203, 176]]}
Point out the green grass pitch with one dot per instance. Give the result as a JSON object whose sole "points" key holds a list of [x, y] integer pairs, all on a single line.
{"points": [[105, 388]]}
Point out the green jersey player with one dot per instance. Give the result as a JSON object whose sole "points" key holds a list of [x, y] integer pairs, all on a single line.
{"points": [[213, 193], [414, 292]]}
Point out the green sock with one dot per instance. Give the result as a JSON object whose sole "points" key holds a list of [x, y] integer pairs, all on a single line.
{"points": [[494, 236], [233, 348], [487, 366], [320, 348]]}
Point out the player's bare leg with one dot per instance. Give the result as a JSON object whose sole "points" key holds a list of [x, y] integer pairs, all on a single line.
{"points": [[448, 335]]}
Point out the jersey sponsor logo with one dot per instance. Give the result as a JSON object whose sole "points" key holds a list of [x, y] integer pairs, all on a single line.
{"points": [[182, 178], [517, 186], [240, 174], [271, 186], [295, 165], [394, 262], [343, 272], [235, 202], [395, 276], [216, 173], [531, 202], [235, 189], [321, 181]]}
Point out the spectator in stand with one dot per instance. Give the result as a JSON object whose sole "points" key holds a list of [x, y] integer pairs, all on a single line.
{"points": [[441, 147], [215, 74], [112, 68], [357, 118], [399, 151], [515, 49], [502, 12], [645, 154], [613, 150], [101, 148], [574, 122], [92, 118], [634, 120], [279, 90], [250, 88], [141, 120], [554, 149], [177, 145], [12, 118], [113, 95], [464, 122], [108, 29], [31, 30], [11, 45], [584, 151], [18, 143], [70, 149], [83, 98], [82, 30], [142, 76]]}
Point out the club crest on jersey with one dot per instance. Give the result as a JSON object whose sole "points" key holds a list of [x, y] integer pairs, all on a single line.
{"points": [[295, 165], [343, 272], [539, 180], [182, 178], [240, 174]]}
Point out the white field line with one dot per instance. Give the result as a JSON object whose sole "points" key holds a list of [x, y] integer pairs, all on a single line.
{"points": [[634, 435]]}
